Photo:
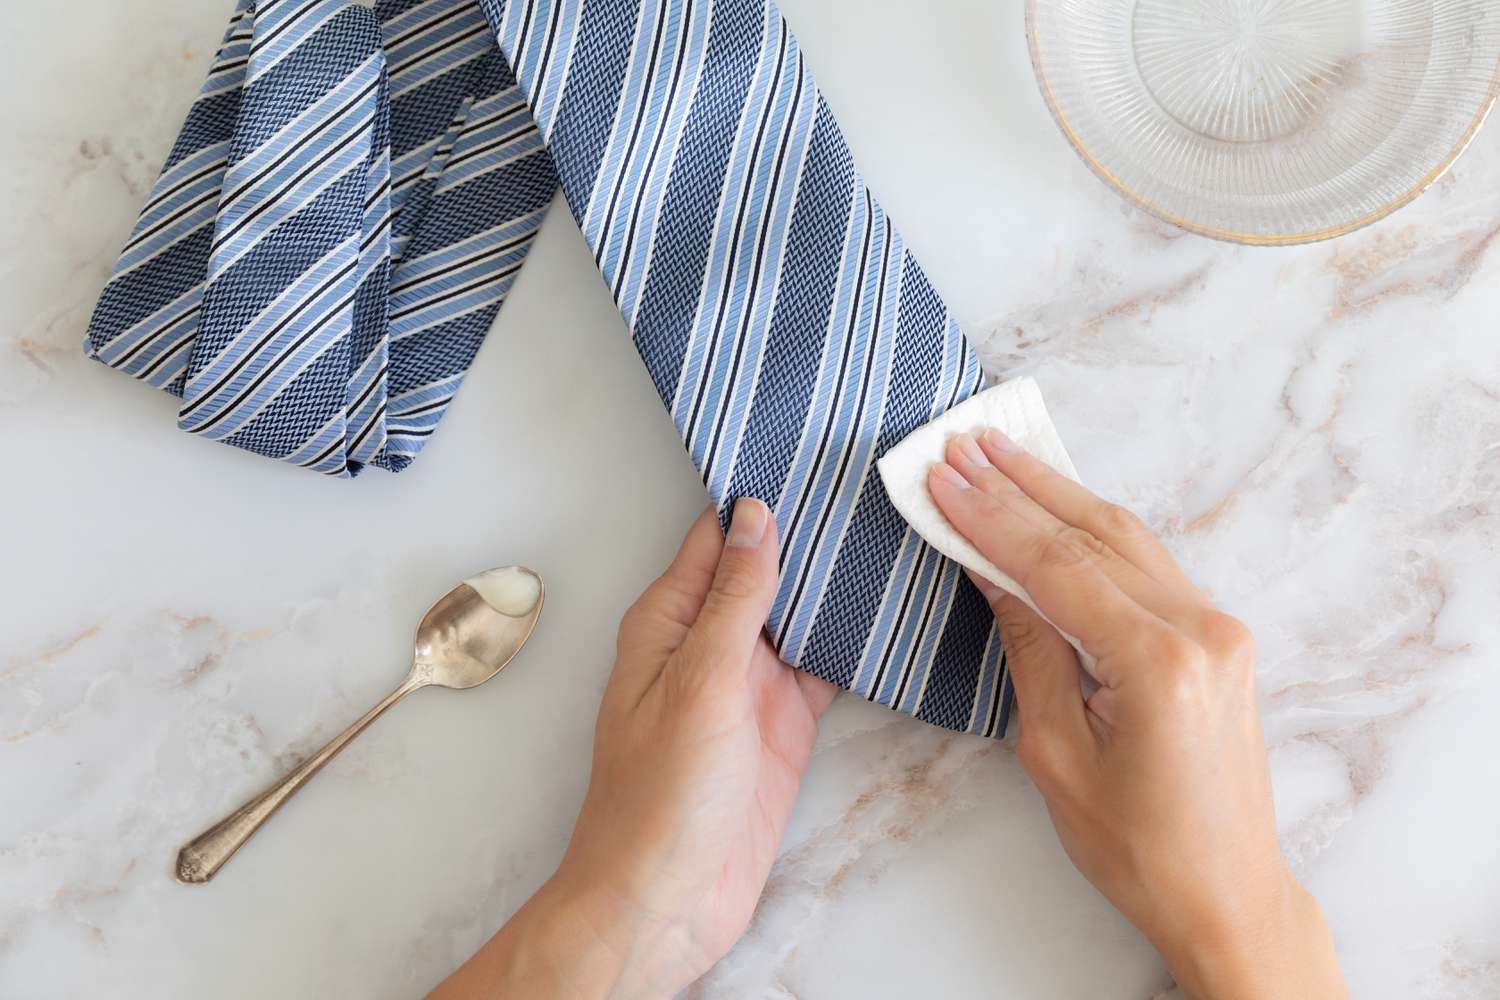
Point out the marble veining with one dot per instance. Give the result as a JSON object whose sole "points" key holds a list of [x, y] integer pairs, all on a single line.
{"points": [[1314, 430]]}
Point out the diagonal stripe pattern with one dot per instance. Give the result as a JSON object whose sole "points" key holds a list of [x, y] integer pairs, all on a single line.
{"points": [[356, 188]]}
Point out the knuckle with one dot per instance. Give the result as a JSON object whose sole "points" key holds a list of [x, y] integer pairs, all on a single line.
{"points": [[1181, 671], [1179, 689], [1228, 640], [632, 620], [1085, 541], [738, 580], [1059, 555], [1120, 522]]}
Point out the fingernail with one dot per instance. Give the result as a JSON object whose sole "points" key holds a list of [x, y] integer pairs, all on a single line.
{"points": [[970, 450], [748, 526], [949, 475], [1000, 441]]}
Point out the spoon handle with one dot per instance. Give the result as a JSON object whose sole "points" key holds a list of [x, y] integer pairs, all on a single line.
{"points": [[205, 854]]}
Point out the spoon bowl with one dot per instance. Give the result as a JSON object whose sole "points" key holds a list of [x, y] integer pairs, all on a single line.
{"points": [[466, 638]]}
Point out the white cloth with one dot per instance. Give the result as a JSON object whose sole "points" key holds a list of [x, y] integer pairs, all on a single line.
{"points": [[1016, 408]]}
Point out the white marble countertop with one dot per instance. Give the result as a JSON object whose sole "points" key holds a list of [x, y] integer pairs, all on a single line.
{"points": [[1316, 431]]}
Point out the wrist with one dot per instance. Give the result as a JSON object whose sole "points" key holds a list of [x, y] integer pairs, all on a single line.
{"points": [[565, 943], [537, 953], [614, 944], [548, 948], [1278, 947]]}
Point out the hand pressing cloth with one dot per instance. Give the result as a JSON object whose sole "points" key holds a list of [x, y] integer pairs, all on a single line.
{"points": [[1014, 407]]}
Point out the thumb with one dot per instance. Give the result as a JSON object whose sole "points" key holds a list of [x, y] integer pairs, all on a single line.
{"points": [[744, 585], [1044, 670]]}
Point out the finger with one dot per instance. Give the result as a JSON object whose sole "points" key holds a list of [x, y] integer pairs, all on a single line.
{"points": [[1182, 609], [965, 455], [817, 692], [678, 594], [987, 590], [1044, 670], [1075, 504], [656, 624], [744, 584], [1066, 582]]}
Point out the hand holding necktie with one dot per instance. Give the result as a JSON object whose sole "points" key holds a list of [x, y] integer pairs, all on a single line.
{"points": [[702, 739]]}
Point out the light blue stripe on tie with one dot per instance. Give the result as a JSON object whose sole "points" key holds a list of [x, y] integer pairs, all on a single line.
{"points": [[567, 16], [322, 126], [186, 181], [434, 54], [136, 347], [425, 315], [857, 422], [422, 397], [276, 327], [914, 625], [415, 31], [987, 693], [285, 25], [704, 369], [642, 132], [598, 224], [475, 157], [912, 682], [253, 387], [318, 453], [803, 494], [399, 32], [538, 38], [721, 430], [227, 72], [630, 276], [901, 585]]}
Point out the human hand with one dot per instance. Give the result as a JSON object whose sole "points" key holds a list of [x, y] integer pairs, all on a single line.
{"points": [[1157, 783], [702, 738]]}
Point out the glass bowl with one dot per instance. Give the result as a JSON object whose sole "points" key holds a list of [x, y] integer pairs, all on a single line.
{"points": [[1267, 121]]}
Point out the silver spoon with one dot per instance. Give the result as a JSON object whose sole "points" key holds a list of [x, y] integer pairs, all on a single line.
{"points": [[464, 639]]}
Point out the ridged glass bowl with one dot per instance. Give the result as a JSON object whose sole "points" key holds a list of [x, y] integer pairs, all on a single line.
{"points": [[1267, 121]]}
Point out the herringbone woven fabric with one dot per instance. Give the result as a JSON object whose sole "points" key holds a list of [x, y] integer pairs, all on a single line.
{"points": [[355, 190]]}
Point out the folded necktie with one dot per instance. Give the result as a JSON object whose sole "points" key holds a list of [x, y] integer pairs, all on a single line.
{"points": [[355, 189]]}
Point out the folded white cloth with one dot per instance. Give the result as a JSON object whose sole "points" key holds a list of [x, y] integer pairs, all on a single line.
{"points": [[1016, 408]]}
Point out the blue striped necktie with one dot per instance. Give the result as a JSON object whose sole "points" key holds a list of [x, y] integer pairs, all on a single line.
{"points": [[355, 189]]}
